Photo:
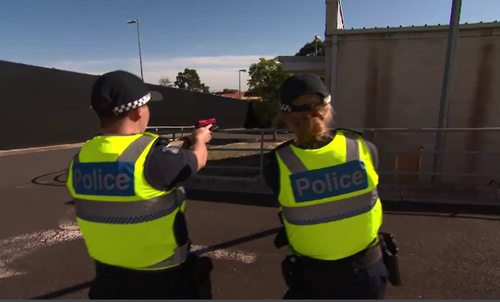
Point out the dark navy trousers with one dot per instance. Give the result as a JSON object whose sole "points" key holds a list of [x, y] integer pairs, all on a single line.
{"points": [[369, 283]]}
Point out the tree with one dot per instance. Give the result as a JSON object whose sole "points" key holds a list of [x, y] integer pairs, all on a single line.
{"points": [[229, 91], [190, 80], [309, 49], [266, 78], [165, 81]]}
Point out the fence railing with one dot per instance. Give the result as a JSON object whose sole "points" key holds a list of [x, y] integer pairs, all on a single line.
{"points": [[471, 167], [375, 135]]}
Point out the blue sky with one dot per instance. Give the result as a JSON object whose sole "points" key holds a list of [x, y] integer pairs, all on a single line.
{"points": [[217, 37]]}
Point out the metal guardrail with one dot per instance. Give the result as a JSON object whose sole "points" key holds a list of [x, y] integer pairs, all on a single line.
{"points": [[174, 130]]}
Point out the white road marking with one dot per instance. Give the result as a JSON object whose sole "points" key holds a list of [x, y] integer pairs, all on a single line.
{"points": [[229, 255], [24, 186], [39, 149], [15, 248]]}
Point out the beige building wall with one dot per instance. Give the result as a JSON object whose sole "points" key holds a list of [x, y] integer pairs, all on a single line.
{"points": [[392, 78]]}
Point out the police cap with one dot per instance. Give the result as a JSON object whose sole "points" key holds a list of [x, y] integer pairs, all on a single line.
{"points": [[119, 91], [299, 85]]}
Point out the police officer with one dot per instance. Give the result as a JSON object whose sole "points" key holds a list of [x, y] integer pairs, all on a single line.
{"points": [[326, 185], [129, 204]]}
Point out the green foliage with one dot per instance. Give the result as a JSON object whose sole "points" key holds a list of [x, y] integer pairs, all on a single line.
{"points": [[190, 80], [265, 112], [266, 78], [309, 49], [229, 91]]}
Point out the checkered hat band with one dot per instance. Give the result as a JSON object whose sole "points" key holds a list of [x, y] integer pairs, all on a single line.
{"points": [[132, 105], [285, 108]]}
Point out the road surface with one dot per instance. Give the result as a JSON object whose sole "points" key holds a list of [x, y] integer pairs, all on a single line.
{"points": [[445, 253]]}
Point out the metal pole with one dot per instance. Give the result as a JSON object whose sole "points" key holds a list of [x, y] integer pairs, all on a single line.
{"points": [[444, 106], [239, 81], [261, 172], [140, 53]]}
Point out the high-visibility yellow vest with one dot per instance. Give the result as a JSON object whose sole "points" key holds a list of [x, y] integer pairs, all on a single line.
{"points": [[124, 221], [328, 198]]}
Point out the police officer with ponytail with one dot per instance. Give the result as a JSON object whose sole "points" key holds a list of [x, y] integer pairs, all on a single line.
{"points": [[326, 185], [129, 203]]}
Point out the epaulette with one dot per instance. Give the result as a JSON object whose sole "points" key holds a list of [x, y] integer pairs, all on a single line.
{"points": [[162, 141], [351, 131]]}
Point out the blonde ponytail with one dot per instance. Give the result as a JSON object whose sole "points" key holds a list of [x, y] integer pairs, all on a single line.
{"points": [[311, 127]]}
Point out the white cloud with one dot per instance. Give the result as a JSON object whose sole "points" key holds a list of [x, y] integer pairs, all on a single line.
{"points": [[217, 72]]}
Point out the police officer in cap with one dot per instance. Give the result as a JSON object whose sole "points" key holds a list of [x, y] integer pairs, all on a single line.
{"points": [[326, 185], [129, 204]]}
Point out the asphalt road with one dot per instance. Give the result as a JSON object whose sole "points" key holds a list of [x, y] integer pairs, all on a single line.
{"points": [[446, 253]]}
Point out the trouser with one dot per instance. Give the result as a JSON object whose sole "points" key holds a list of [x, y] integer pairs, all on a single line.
{"points": [[309, 278], [190, 280]]}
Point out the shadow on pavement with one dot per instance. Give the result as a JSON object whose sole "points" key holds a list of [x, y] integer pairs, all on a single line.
{"points": [[53, 179], [64, 291], [223, 245], [392, 207]]}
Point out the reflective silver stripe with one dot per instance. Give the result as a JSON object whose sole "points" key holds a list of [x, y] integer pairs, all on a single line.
{"points": [[179, 257], [331, 211], [295, 165], [291, 161], [132, 152], [130, 212], [352, 147], [135, 149], [373, 152]]}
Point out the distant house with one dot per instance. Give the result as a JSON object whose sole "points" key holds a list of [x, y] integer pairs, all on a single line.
{"points": [[245, 95]]}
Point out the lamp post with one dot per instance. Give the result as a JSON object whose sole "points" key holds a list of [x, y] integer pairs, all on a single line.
{"points": [[136, 21], [316, 39], [239, 77], [444, 104]]}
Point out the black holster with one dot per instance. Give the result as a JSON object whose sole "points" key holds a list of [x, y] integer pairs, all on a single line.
{"points": [[281, 239], [199, 269], [390, 257]]}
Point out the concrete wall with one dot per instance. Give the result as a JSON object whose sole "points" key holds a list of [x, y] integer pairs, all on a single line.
{"points": [[393, 78], [41, 106]]}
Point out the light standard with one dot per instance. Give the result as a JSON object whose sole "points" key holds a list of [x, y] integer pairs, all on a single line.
{"points": [[136, 21], [239, 76], [444, 104], [316, 39]]}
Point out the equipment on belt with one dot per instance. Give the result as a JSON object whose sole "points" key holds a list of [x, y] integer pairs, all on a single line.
{"points": [[390, 256]]}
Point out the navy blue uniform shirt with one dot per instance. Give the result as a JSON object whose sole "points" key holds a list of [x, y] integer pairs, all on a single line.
{"points": [[165, 167]]}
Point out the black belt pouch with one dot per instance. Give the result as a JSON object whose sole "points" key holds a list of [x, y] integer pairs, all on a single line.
{"points": [[390, 257]]}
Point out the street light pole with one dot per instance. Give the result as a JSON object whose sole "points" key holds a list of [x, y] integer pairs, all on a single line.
{"points": [[136, 21], [444, 106], [239, 77]]}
